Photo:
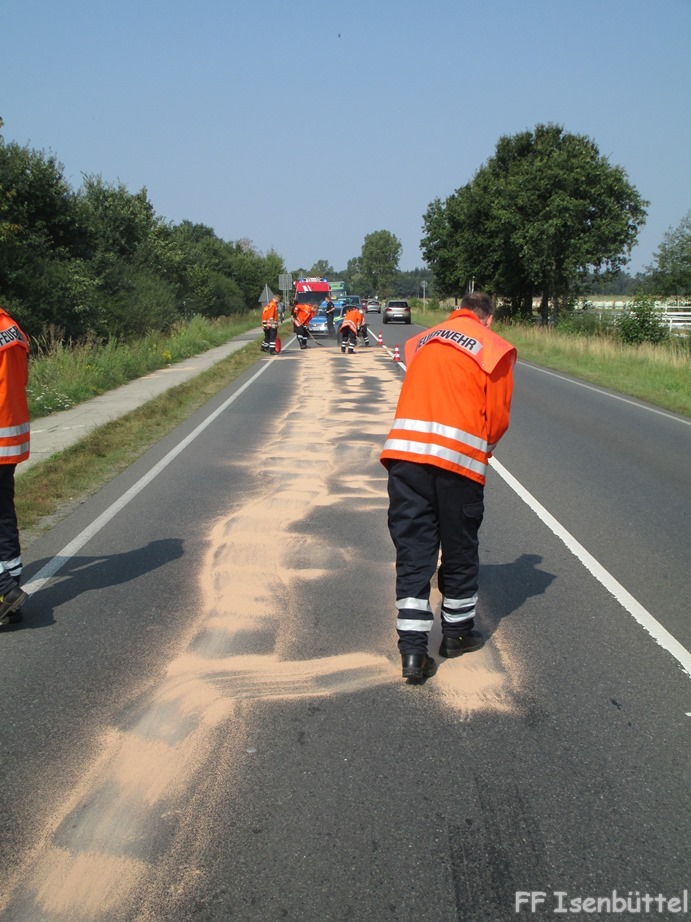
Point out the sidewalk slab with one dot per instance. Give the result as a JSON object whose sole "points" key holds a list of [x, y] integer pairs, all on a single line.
{"points": [[54, 433]]}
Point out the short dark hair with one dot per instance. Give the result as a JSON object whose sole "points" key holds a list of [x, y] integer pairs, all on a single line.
{"points": [[479, 303]]}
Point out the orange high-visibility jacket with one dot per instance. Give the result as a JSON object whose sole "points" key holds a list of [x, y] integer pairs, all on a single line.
{"points": [[352, 319], [456, 397], [302, 314], [14, 375], [270, 315]]}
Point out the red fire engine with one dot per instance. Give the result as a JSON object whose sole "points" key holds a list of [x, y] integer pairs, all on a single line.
{"points": [[311, 291]]}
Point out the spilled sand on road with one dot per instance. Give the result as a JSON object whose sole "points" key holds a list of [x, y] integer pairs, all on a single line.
{"points": [[102, 844]]}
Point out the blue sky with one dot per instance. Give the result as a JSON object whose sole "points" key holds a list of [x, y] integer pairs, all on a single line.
{"points": [[306, 125]]}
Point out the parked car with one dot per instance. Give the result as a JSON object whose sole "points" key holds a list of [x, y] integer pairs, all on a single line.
{"points": [[396, 309], [373, 306], [318, 325]]}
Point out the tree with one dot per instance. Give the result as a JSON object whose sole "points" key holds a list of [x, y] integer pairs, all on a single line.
{"points": [[671, 272], [273, 267], [355, 281], [381, 252], [130, 259], [440, 247], [322, 269], [542, 212], [40, 233], [409, 284], [119, 221], [100, 261]]}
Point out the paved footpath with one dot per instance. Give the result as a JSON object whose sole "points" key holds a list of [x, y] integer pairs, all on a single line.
{"points": [[54, 433]]}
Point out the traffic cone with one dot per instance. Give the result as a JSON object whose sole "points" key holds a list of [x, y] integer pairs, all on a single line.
{"points": [[380, 339], [396, 354]]}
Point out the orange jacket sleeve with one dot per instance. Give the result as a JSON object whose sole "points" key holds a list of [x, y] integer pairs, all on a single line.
{"points": [[499, 393]]}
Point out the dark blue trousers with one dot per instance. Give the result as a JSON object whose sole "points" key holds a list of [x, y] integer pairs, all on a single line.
{"points": [[431, 508], [10, 553]]}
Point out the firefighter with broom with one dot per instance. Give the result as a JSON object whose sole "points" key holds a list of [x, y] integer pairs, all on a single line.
{"points": [[302, 314], [352, 321]]}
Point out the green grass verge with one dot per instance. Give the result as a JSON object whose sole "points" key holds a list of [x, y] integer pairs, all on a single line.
{"points": [[659, 374], [64, 375], [48, 491]]}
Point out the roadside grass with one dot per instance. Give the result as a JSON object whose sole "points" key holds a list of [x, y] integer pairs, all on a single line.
{"points": [[64, 375], [660, 374], [47, 492]]}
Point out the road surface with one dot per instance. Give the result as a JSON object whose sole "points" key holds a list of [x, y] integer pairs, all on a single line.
{"points": [[203, 715]]}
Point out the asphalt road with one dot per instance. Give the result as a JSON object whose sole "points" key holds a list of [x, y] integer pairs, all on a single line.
{"points": [[203, 716]]}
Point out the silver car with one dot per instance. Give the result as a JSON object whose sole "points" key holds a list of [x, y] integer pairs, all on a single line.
{"points": [[396, 309]]}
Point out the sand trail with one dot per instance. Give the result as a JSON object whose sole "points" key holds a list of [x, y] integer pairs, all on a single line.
{"points": [[103, 842]]}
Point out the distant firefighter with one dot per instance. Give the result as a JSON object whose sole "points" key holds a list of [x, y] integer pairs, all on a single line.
{"points": [[270, 325]]}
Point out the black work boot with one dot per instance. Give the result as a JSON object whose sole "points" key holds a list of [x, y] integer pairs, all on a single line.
{"points": [[457, 646], [417, 667], [10, 602]]}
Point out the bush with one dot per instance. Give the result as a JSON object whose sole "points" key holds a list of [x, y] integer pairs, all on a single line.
{"points": [[585, 323], [642, 323], [144, 303]]}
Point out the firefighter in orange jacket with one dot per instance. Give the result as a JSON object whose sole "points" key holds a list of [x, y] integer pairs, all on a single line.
{"points": [[14, 447], [453, 409], [352, 321], [270, 325], [302, 314]]}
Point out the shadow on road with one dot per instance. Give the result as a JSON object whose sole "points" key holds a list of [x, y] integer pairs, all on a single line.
{"points": [[86, 573], [504, 588]]}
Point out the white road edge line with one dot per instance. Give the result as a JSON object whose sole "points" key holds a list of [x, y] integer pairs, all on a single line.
{"points": [[660, 634], [60, 560]]}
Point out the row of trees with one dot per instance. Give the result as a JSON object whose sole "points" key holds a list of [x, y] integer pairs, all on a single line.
{"points": [[546, 216], [375, 272], [99, 261]]}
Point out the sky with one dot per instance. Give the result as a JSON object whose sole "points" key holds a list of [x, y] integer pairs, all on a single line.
{"points": [[303, 126]]}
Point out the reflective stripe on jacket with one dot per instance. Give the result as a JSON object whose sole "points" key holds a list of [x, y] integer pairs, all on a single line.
{"points": [[14, 375], [352, 320], [270, 316], [456, 396]]}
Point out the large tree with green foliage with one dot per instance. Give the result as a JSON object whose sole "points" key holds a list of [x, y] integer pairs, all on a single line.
{"points": [[42, 243], [381, 252], [542, 212], [670, 273]]}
